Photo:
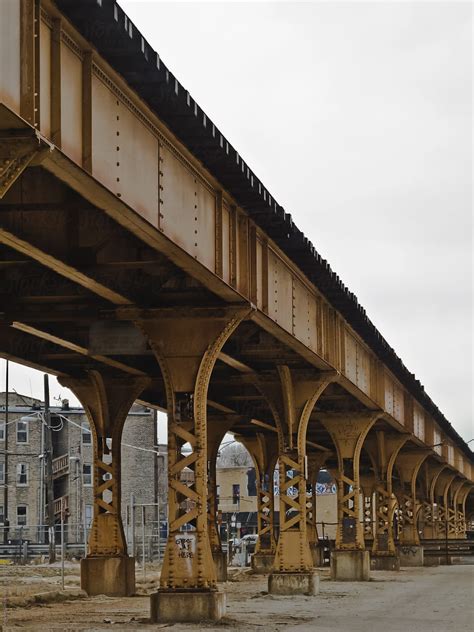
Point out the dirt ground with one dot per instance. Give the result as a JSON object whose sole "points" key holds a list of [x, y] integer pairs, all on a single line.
{"points": [[414, 600]]}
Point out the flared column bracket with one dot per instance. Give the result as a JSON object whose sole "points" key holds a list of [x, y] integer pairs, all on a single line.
{"points": [[348, 432], [264, 452], [408, 465], [107, 402], [384, 450], [186, 344]]}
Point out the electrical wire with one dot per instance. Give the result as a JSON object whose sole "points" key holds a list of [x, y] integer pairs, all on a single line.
{"points": [[39, 415]]}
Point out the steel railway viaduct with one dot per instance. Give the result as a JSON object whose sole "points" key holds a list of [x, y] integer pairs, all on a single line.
{"points": [[141, 258]]}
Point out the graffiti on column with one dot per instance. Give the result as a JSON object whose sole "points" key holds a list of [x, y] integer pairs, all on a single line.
{"points": [[322, 489]]}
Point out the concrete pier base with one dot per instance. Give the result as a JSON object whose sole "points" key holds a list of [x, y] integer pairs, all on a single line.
{"points": [[262, 563], [316, 554], [190, 606], [350, 566], [431, 560], [293, 583], [444, 561], [112, 576], [384, 563], [220, 560], [411, 555]]}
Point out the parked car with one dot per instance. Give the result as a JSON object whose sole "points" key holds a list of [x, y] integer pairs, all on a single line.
{"points": [[250, 538]]}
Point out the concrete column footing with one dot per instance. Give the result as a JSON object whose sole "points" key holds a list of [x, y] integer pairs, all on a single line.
{"points": [[431, 560], [350, 566], [187, 606], [384, 562], [293, 583], [411, 555], [220, 561], [262, 563], [112, 576]]}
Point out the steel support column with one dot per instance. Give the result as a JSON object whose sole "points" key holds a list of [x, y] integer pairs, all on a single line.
{"points": [[350, 560], [444, 513], [293, 567], [264, 452], [428, 518], [107, 569], [186, 345], [408, 465], [384, 450]]}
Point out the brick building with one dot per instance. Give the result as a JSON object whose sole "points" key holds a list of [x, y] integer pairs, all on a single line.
{"points": [[23, 472]]}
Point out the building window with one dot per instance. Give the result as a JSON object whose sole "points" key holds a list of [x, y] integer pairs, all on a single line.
{"points": [[107, 476], [22, 474], [22, 515], [2, 473], [235, 494], [218, 491], [2, 514], [88, 516], [86, 435], [2, 431], [22, 431], [87, 474]]}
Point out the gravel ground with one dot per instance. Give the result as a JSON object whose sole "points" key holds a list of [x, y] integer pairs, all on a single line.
{"points": [[414, 600]]}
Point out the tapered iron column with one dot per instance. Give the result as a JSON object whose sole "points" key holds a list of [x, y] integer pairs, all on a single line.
{"points": [[264, 452], [444, 514], [293, 570], [384, 449], [408, 464], [186, 344], [350, 561], [107, 569]]}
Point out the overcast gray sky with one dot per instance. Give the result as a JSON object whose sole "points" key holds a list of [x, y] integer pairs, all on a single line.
{"points": [[358, 119]]}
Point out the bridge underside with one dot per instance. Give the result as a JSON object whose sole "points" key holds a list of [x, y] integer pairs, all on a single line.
{"points": [[99, 297]]}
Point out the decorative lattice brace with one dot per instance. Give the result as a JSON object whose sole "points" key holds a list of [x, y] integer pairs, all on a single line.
{"points": [[385, 510], [293, 534], [427, 518], [187, 345], [265, 517], [441, 521], [450, 501], [460, 506], [406, 518], [107, 401], [348, 434], [367, 484]]}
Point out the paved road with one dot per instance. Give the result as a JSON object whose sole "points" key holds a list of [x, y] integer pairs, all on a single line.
{"points": [[414, 600]]}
